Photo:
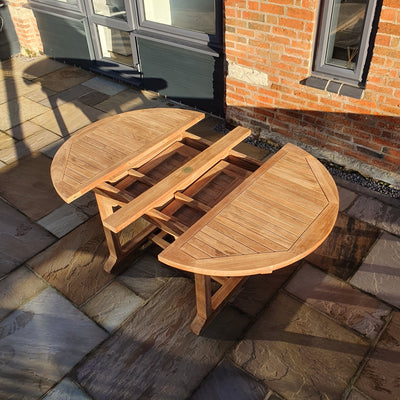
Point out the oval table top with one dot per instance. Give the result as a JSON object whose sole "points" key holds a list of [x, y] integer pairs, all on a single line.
{"points": [[109, 145], [281, 213]]}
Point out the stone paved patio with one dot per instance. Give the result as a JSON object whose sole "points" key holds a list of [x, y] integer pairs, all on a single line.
{"points": [[325, 328]]}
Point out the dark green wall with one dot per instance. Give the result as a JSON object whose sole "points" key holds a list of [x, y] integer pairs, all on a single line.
{"points": [[193, 78], [64, 38], [9, 44]]}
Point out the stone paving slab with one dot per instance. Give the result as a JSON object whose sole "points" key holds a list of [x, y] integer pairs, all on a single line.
{"points": [[259, 289], [377, 213], [59, 98], [112, 306], [39, 67], [20, 239], [227, 382], [17, 288], [155, 355], [28, 146], [380, 272], [366, 191], [339, 300], [13, 87], [6, 141], [345, 248], [68, 118], [24, 130], [346, 198], [93, 98], [64, 78], [51, 149], [40, 342], [87, 203], [63, 220], [380, 377], [17, 111], [74, 264], [29, 188], [300, 353], [131, 99], [12, 67], [40, 95], [66, 390], [146, 275], [105, 85], [356, 395]]}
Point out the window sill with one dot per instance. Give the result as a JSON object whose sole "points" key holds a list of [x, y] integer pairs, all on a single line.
{"points": [[333, 86]]}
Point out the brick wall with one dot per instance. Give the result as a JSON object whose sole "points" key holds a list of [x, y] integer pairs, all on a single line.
{"points": [[26, 27], [274, 38]]}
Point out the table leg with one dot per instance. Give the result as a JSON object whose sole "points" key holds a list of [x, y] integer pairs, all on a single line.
{"points": [[117, 251], [209, 305], [105, 207]]}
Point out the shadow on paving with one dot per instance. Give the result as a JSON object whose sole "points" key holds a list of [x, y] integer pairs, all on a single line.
{"points": [[282, 342]]}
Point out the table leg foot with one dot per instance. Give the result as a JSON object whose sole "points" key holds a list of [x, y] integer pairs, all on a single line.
{"points": [[110, 263], [198, 325], [208, 305]]}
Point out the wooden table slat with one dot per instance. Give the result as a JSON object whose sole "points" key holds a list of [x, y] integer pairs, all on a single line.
{"points": [[279, 210], [266, 228], [141, 134], [263, 212], [178, 180], [316, 216], [251, 227], [238, 237], [228, 240]]}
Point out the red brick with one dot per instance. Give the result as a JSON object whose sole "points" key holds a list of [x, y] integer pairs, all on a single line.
{"points": [[230, 12], [357, 155], [301, 13], [392, 152], [258, 27], [291, 23], [260, 44], [253, 5], [270, 8], [253, 16], [368, 144], [231, 82], [245, 32], [236, 22], [266, 112], [389, 28], [383, 40], [290, 33], [236, 97], [293, 100], [271, 19], [388, 15], [284, 2], [263, 100], [236, 3]]}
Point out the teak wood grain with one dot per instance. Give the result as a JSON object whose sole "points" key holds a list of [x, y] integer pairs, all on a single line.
{"points": [[229, 216], [179, 179], [109, 146], [293, 182]]}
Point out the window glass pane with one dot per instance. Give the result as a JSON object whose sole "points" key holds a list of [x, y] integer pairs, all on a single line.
{"points": [[115, 45], [194, 15], [345, 33], [110, 8]]}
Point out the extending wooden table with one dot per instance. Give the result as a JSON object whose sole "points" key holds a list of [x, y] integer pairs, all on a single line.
{"points": [[215, 212]]}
